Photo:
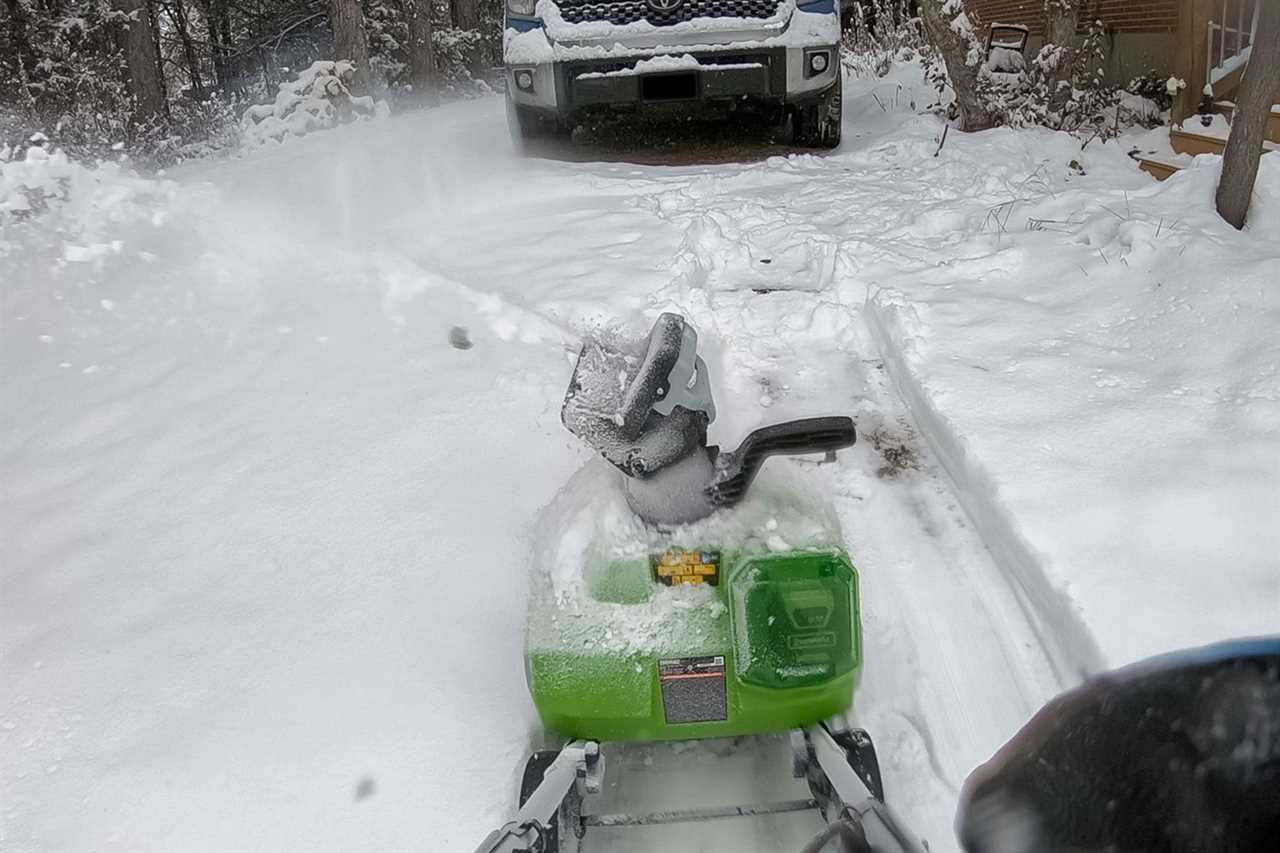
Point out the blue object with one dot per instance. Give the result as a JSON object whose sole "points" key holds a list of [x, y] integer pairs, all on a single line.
{"points": [[1249, 647], [524, 25], [819, 7]]}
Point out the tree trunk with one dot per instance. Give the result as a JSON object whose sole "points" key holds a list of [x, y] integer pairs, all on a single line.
{"points": [[234, 79], [422, 56], [1061, 29], [142, 60], [213, 10], [153, 24], [350, 40], [178, 14], [949, 30], [465, 14], [265, 67], [1258, 89]]}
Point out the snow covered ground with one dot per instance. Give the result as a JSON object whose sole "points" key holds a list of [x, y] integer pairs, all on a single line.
{"points": [[263, 529]]}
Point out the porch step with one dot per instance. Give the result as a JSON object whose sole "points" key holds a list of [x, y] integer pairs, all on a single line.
{"points": [[1158, 167], [1227, 108], [1190, 142]]}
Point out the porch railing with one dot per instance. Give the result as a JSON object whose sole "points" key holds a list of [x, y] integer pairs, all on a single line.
{"points": [[1230, 37]]}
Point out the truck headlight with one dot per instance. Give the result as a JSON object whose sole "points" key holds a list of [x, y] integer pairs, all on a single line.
{"points": [[818, 62], [522, 7]]}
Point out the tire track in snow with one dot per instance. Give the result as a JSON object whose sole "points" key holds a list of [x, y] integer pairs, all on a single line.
{"points": [[1060, 629]]}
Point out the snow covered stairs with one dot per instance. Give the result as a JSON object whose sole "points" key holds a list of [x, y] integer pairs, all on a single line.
{"points": [[1157, 166], [1227, 108], [1204, 135]]}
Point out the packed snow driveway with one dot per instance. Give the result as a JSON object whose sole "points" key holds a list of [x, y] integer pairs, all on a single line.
{"points": [[276, 431]]}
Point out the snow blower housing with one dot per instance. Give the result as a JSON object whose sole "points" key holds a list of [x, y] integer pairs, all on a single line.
{"points": [[656, 617], [676, 595]]}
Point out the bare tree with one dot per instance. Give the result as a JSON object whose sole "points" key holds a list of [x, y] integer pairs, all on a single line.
{"points": [[422, 58], [178, 15], [350, 40], [950, 30], [217, 20], [1258, 89], [142, 59]]}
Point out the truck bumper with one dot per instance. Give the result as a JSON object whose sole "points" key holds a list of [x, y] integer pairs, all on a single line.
{"points": [[774, 76]]}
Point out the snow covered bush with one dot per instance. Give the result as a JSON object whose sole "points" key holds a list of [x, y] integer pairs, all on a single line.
{"points": [[877, 33], [388, 31], [319, 99], [456, 53], [461, 54], [1156, 88], [1135, 110], [197, 127], [1063, 87], [60, 74]]}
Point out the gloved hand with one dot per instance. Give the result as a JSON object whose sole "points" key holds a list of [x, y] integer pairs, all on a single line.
{"points": [[1178, 753]]}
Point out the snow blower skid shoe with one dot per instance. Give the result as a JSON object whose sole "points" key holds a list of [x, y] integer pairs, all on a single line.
{"points": [[675, 595]]}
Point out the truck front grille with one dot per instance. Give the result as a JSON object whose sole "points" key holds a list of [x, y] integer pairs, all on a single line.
{"points": [[629, 11]]}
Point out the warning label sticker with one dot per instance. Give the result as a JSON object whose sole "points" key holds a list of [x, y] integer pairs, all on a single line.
{"points": [[693, 689], [691, 667], [677, 566]]}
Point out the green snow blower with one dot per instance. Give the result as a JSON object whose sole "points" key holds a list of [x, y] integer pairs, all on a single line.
{"points": [[670, 600]]}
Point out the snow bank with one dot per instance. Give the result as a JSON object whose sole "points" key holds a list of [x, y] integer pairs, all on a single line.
{"points": [[1103, 380]]}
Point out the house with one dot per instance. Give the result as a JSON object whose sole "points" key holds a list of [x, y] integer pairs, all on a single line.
{"points": [[1203, 43], [1138, 32]]}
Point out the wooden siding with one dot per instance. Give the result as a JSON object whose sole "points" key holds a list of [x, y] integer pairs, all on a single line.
{"points": [[1133, 16]]}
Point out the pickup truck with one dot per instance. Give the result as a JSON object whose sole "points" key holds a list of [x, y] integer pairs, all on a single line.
{"points": [[568, 59]]}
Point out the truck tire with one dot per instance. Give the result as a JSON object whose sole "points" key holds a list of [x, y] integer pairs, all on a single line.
{"points": [[527, 125], [817, 125]]}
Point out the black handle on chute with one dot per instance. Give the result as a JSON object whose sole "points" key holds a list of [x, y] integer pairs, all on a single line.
{"points": [[736, 470]]}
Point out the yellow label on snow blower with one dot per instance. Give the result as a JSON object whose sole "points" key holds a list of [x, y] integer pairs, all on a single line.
{"points": [[677, 566]]}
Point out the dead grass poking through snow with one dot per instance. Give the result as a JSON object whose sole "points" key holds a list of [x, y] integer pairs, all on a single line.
{"points": [[895, 447]]}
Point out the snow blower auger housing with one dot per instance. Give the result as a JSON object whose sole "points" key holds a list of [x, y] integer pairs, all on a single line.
{"points": [[690, 612], [676, 595]]}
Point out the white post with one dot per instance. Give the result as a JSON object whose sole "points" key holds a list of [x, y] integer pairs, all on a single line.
{"points": [[1222, 41], [1239, 25]]}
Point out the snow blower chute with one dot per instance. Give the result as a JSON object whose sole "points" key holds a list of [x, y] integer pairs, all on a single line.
{"points": [[667, 603]]}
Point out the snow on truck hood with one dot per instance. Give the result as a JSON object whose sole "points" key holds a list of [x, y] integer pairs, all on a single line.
{"points": [[559, 40]]}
